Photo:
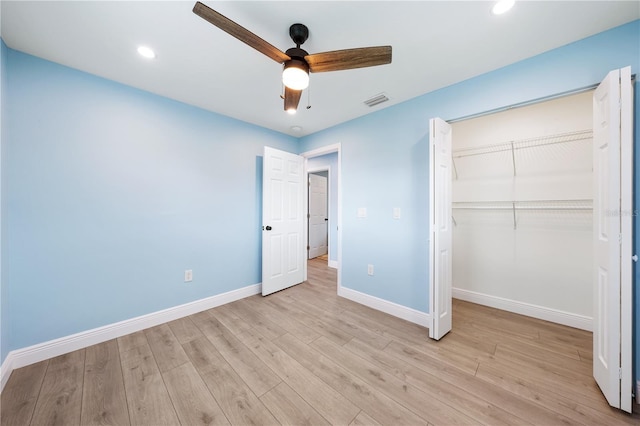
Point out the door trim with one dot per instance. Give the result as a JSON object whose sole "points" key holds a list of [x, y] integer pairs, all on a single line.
{"points": [[328, 149]]}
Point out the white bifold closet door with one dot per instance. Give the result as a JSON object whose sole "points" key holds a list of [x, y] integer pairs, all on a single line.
{"points": [[612, 216], [441, 233]]}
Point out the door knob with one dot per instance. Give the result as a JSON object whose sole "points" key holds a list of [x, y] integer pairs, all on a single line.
{"points": [[269, 228]]}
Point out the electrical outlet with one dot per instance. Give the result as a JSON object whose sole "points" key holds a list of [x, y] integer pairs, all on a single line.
{"points": [[370, 269], [188, 275]]}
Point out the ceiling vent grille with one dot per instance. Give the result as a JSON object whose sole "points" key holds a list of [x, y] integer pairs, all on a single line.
{"points": [[376, 100]]}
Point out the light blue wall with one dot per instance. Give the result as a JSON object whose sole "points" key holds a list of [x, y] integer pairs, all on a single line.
{"points": [[4, 305], [385, 160], [330, 161], [111, 193]]}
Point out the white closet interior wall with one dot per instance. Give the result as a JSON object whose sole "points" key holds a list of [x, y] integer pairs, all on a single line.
{"points": [[522, 207]]}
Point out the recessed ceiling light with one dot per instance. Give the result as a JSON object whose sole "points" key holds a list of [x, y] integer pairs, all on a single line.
{"points": [[146, 52], [502, 6], [296, 129]]}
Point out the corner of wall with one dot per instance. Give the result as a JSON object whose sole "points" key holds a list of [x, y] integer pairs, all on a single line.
{"points": [[4, 305]]}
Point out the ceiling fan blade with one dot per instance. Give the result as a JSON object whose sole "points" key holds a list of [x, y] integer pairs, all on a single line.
{"points": [[291, 98], [239, 32], [347, 59]]}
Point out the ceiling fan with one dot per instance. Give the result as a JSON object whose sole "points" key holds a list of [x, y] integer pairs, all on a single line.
{"points": [[297, 62]]}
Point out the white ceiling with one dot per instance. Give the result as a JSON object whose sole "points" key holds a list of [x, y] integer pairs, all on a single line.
{"points": [[435, 44]]}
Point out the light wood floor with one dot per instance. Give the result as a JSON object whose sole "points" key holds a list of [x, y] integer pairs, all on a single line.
{"points": [[306, 356]]}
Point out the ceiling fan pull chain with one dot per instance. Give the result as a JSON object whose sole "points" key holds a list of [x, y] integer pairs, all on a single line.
{"points": [[309, 98]]}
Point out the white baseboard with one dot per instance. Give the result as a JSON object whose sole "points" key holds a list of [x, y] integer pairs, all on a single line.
{"points": [[333, 264], [565, 318], [36, 353], [409, 314]]}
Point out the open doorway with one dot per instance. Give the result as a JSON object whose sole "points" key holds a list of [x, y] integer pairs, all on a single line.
{"points": [[324, 163], [318, 216], [522, 196]]}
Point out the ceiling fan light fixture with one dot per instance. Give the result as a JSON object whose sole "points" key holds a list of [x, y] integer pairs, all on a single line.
{"points": [[291, 111], [296, 74]]}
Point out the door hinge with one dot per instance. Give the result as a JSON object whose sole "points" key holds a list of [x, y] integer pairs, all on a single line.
{"points": [[634, 257], [620, 373], [308, 215], [308, 248], [619, 238]]}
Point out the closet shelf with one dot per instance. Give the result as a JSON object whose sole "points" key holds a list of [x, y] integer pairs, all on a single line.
{"points": [[524, 143], [530, 205], [525, 205], [517, 145]]}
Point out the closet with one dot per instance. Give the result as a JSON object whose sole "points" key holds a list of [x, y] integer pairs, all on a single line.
{"points": [[522, 210]]}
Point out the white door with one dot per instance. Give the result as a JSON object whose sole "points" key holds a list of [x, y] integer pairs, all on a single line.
{"points": [[440, 239], [612, 216], [282, 220], [318, 218]]}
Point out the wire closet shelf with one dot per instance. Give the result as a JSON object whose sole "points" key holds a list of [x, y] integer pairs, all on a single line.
{"points": [[513, 206], [517, 145], [545, 206]]}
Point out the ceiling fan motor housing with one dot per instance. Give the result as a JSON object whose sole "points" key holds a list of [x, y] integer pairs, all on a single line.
{"points": [[297, 53]]}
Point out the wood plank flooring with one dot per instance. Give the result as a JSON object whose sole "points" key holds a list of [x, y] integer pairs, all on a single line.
{"points": [[305, 356]]}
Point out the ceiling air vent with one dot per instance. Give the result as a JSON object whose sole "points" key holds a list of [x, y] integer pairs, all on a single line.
{"points": [[376, 100]]}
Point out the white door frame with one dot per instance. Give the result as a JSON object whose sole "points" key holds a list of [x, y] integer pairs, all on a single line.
{"points": [[329, 149], [315, 171]]}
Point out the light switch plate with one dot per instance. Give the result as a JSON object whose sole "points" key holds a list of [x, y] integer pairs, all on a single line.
{"points": [[396, 212], [362, 212]]}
